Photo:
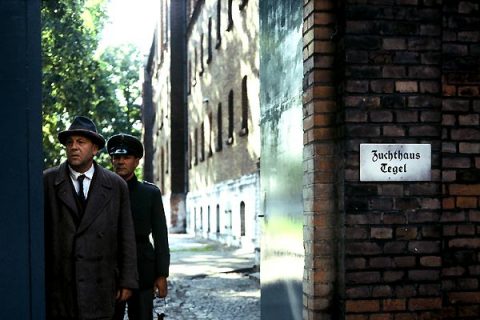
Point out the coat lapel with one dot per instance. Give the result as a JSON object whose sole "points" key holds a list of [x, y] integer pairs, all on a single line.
{"points": [[98, 197], [65, 190]]}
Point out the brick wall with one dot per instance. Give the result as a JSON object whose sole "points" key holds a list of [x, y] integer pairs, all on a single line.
{"points": [[234, 55], [392, 95], [404, 71], [461, 159], [321, 166]]}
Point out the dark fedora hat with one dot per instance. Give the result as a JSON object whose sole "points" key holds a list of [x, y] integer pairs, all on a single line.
{"points": [[85, 127], [124, 144]]}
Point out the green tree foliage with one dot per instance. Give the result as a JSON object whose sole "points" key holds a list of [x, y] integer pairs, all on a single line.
{"points": [[123, 65], [76, 82]]}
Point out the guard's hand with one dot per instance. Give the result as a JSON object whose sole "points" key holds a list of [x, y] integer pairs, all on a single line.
{"points": [[161, 288], [123, 294]]}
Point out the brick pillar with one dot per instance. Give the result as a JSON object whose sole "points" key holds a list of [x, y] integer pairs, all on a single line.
{"points": [[320, 162], [461, 160]]}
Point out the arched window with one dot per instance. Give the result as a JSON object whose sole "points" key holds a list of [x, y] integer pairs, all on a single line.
{"points": [[219, 20], [167, 157], [195, 141], [230, 118], [195, 219], [230, 15], [210, 134], [202, 69], [208, 219], [190, 151], [242, 219], [218, 219], [209, 53], [202, 141], [219, 128], [244, 129]]}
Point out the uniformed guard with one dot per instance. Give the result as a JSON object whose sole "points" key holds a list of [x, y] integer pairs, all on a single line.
{"points": [[149, 219]]}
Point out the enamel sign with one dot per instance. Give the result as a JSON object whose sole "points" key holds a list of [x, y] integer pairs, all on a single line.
{"points": [[395, 162]]}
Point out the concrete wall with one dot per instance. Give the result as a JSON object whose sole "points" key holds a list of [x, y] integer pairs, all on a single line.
{"points": [[282, 252], [21, 201]]}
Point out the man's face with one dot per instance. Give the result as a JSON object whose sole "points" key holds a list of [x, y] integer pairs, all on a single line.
{"points": [[124, 165], [80, 152]]}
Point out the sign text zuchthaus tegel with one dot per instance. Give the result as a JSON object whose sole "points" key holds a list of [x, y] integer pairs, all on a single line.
{"points": [[395, 162]]}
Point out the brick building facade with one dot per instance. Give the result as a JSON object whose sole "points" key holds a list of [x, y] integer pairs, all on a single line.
{"points": [[223, 120], [392, 72], [206, 92]]}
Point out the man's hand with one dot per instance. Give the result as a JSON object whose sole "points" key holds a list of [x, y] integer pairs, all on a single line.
{"points": [[123, 294], [160, 287]]}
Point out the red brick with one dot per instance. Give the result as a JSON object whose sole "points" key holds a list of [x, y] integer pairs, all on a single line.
{"points": [[394, 304], [448, 203], [431, 261], [424, 275], [382, 291], [465, 134], [424, 304], [381, 316], [468, 230], [393, 131], [465, 243], [406, 233], [393, 276], [406, 116], [404, 262], [469, 148], [453, 272], [429, 87], [469, 120], [464, 189], [360, 306], [464, 297], [467, 202], [394, 44], [456, 162], [406, 86], [353, 317]]}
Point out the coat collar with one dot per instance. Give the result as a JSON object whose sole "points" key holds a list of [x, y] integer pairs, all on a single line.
{"points": [[98, 197]]}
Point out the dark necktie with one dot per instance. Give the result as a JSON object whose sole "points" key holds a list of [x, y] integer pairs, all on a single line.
{"points": [[81, 194]]}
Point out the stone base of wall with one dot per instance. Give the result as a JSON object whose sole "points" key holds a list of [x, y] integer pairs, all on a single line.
{"points": [[215, 213]]}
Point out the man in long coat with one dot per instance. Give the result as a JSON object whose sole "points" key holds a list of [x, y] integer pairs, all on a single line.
{"points": [[149, 219], [90, 249]]}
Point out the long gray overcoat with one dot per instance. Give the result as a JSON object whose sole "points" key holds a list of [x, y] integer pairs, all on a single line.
{"points": [[87, 259]]}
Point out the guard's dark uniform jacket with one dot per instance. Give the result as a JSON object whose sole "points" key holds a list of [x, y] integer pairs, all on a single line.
{"points": [[149, 217]]}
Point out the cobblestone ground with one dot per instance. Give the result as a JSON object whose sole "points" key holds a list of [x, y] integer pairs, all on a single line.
{"points": [[209, 281]]}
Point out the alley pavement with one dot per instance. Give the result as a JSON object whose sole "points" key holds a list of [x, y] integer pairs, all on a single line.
{"points": [[209, 281]]}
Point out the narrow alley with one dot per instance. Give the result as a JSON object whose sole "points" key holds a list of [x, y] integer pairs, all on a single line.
{"points": [[210, 281]]}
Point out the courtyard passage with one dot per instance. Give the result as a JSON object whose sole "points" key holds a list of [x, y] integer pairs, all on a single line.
{"points": [[209, 281]]}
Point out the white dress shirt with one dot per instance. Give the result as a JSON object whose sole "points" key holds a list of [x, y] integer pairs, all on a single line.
{"points": [[86, 182]]}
